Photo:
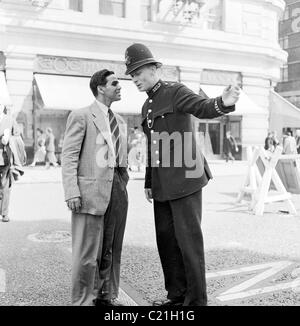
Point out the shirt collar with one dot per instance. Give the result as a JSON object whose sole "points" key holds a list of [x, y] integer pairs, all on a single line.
{"points": [[155, 88], [103, 107]]}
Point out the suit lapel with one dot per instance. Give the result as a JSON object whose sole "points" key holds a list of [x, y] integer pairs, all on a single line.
{"points": [[100, 123]]}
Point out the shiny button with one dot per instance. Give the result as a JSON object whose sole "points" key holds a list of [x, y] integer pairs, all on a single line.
{"points": [[157, 152], [149, 121], [152, 131], [150, 101], [157, 162], [163, 116], [154, 142]]}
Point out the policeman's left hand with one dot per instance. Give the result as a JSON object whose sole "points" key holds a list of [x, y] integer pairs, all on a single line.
{"points": [[231, 95]]}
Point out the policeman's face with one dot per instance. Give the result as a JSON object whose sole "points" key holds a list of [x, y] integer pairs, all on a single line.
{"points": [[112, 89], [144, 78]]}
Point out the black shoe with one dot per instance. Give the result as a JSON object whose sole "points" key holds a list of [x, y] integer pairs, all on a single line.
{"points": [[5, 219], [169, 302]]}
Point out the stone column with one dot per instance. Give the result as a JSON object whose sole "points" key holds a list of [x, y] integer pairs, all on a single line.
{"points": [[19, 76]]}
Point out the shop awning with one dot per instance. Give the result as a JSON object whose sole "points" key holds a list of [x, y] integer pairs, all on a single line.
{"points": [[244, 105], [4, 95], [71, 93], [283, 114]]}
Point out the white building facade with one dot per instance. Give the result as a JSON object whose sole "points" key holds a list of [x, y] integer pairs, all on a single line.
{"points": [[49, 50]]}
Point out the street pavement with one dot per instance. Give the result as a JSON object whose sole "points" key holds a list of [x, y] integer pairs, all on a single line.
{"points": [[250, 260]]}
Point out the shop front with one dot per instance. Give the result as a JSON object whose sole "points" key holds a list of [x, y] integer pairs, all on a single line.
{"points": [[247, 117], [284, 116], [61, 84], [5, 99]]}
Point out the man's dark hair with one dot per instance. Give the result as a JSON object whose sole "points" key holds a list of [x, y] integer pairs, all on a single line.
{"points": [[99, 79]]}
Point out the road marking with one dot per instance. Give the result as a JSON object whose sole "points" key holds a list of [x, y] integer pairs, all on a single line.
{"points": [[2, 281], [243, 290]]}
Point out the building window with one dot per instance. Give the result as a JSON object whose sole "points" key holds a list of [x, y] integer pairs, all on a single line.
{"points": [[284, 42], [146, 10], [286, 15], [75, 5], [112, 7], [284, 73], [205, 14], [215, 16]]}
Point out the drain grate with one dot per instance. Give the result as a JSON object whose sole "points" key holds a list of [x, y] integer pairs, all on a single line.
{"points": [[50, 236]]}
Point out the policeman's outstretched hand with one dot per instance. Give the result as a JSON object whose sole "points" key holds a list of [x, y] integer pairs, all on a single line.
{"points": [[74, 204], [148, 193], [231, 95]]}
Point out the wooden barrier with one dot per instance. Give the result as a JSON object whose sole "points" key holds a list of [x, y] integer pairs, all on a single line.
{"points": [[259, 181]]}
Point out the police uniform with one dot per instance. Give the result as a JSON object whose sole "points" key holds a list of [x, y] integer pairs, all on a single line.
{"points": [[177, 184]]}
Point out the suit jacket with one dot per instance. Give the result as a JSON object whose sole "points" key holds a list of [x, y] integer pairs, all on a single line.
{"points": [[88, 158], [168, 112]]}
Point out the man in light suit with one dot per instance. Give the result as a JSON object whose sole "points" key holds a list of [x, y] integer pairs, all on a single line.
{"points": [[95, 176]]}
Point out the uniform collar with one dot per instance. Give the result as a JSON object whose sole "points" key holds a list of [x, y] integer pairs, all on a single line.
{"points": [[155, 88]]}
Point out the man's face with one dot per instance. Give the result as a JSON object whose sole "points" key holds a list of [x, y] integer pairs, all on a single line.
{"points": [[143, 78], [112, 89]]}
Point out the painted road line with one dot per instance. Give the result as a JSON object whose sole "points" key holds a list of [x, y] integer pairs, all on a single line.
{"points": [[268, 289], [2, 281], [243, 290], [123, 298]]}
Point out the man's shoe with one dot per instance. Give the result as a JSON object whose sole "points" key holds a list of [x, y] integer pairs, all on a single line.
{"points": [[169, 302], [5, 219]]}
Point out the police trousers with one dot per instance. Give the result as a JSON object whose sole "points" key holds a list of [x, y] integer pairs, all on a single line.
{"points": [[181, 249]]}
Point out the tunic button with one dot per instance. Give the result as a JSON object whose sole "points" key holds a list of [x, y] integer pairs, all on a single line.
{"points": [[150, 101], [154, 142], [157, 152], [152, 131], [163, 116], [149, 111], [149, 121], [157, 162]]}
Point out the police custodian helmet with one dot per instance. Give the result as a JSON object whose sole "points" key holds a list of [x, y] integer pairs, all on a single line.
{"points": [[138, 55]]}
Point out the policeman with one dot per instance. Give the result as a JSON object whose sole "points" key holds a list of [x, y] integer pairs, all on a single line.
{"points": [[176, 173]]}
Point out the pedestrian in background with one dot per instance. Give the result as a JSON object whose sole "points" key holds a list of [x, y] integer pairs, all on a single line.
{"points": [[275, 139], [230, 147], [40, 154], [298, 141], [269, 145], [289, 144], [175, 189], [50, 149], [94, 161], [6, 124]]}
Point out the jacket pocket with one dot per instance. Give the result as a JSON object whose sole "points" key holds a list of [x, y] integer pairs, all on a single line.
{"points": [[160, 112]]}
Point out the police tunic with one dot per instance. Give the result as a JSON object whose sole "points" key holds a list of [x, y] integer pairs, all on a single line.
{"points": [[176, 166]]}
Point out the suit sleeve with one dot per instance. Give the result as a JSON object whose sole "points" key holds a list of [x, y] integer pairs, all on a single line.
{"points": [[74, 136], [187, 101]]}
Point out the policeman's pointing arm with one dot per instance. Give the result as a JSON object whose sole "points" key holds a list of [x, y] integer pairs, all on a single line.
{"points": [[230, 95]]}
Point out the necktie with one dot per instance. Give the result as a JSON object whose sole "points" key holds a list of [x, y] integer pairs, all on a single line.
{"points": [[115, 132]]}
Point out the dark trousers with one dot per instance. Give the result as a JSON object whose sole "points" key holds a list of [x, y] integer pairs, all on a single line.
{"points": [[5, 187], [96, 246], [180, 246]]}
